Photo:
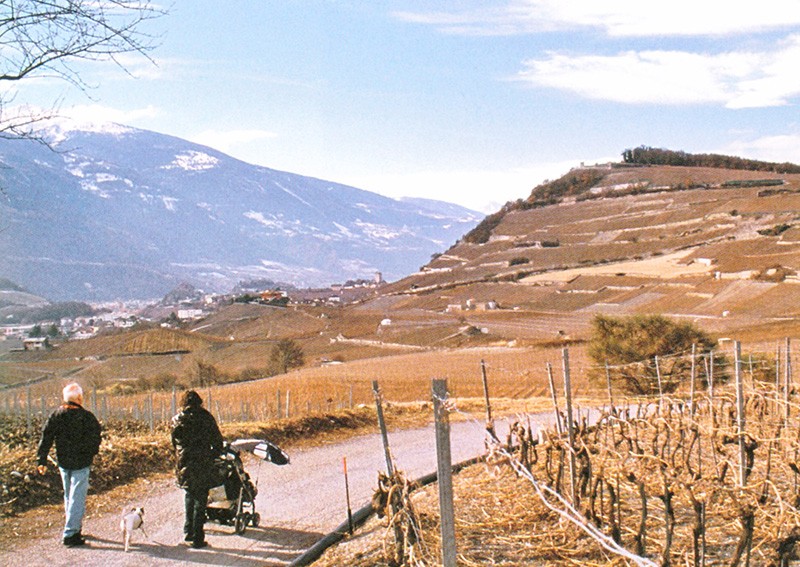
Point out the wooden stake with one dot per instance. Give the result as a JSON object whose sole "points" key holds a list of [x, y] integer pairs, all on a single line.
{"points": [[489, 421], [553, 394], [777, 376], [711, 376], [570, 428], [737, 353], [788, 380], [445, 473], [693, 376], [610, 394], [347, 495], [660, 387], [382, 424]]}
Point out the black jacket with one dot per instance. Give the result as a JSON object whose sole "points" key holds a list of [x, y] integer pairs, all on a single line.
{"points": [[197, 442], [77, 434]]}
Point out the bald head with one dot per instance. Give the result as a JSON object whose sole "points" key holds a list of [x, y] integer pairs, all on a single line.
{"points": [[73, 393]]}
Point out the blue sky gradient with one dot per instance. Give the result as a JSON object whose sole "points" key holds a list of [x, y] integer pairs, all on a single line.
{"points": [[469, 102]]}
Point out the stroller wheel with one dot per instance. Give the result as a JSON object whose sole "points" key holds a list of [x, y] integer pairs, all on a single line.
{"points": [[241, 523], [255, 519]]}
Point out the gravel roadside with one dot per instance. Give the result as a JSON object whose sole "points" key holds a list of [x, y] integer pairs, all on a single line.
{"points": [[298, 504]]}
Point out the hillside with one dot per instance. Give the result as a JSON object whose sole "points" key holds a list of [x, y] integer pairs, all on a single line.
{"points": [[717, 246], [725, 256], [120, 213]]}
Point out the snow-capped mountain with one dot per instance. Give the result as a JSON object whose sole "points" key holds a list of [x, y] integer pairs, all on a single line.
{"points": [[125, 213]]}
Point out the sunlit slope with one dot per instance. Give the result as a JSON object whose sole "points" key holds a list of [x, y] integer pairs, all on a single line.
{"points": [[636, 241]]}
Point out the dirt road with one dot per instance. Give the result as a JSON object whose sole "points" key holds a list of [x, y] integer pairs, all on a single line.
{"points": [[298, 503]]}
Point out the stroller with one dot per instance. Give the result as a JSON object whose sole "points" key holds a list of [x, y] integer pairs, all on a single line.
{"points": [[234, 500]]}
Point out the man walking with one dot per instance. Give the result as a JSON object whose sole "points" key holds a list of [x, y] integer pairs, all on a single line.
{"points": [[77, 436], [197, 441]]}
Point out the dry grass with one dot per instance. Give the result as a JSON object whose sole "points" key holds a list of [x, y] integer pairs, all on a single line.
{"points": [[500, 519], [516, 373], [130, 451]]}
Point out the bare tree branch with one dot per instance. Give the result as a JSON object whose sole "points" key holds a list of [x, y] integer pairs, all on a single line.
{"points": [[40, 38]]}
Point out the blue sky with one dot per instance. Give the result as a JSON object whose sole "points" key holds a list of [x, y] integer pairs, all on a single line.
{"points": [[469, 102]]}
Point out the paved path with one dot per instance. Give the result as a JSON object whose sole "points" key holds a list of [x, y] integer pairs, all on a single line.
{"points": [[298, 503]]}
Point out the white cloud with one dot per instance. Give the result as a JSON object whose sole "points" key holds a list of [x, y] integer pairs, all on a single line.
{"points": [[617, 17], [735, 79], [99, 114], [227, 140], [777, 148], [677, 18]]}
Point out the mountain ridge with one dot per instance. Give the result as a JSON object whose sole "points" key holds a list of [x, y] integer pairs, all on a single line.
{"points": [[128, 213]]}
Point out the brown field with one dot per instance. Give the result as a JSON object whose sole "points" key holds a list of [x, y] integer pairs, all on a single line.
{"points": [[692, 255], [662, 482], [513, 373]]}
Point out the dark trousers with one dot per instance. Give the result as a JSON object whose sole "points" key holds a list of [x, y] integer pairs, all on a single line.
{"points": [[195, 503]]}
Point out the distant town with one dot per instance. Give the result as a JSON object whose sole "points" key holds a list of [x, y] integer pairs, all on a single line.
{"points": [[178, 308]]}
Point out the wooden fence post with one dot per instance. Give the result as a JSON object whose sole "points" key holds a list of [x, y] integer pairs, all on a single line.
{"points": [[288, 403], [787, 385], [737, 356], [489, 420], [151, 417], [347, 496], [693, 377], [174, 406], [382, 424], [777, 376], [610, 392], [555, 399], [29, 411], [711, 376], [660, 387], [570, 426], [445, 473]]}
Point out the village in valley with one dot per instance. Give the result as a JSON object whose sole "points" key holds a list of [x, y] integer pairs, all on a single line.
{"points": [[177, 309]]}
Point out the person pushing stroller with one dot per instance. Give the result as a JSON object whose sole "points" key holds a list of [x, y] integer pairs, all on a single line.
{"points": [[197, 441]]}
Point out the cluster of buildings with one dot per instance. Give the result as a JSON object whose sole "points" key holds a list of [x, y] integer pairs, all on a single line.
{"points": [[172, 313], [471, 305], [39, 336]]}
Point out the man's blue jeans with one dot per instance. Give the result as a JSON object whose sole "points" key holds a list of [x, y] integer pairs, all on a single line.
{"points": [[76, 485]]}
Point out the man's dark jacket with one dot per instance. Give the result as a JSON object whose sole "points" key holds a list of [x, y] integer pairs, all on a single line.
{"points": [[197, 441], [76, 433]]}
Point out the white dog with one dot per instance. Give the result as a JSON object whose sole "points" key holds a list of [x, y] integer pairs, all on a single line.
{"points": [[130, 521]]}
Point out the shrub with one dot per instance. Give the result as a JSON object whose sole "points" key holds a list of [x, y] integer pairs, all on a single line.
{"points": [[207, 374], [287, 354], [630, 345], [481, 233], [249, 374], [776, 230]]}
